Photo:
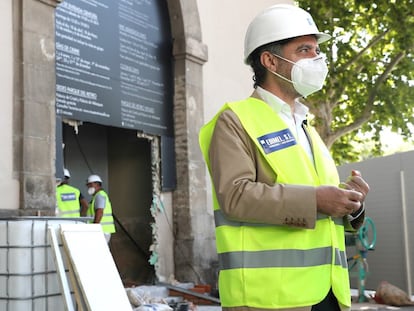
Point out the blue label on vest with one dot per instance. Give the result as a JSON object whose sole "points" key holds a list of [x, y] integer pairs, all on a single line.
{"points": [[276, 141], [68, 197]]}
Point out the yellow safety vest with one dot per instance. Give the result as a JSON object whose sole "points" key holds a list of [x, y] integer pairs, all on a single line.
{"points": [[275, 266], [67, 199], [107, 221]]}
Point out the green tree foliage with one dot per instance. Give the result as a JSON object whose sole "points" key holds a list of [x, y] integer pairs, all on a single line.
{"points": [[371, 80]]}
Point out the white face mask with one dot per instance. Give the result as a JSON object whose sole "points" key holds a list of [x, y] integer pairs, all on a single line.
{"points": [[308, 74], [91, 190]]}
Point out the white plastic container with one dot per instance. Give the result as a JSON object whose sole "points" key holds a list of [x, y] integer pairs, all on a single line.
{"points": [[28, 277]]}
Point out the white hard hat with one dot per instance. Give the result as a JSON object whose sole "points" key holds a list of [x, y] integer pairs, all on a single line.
{"points": [[93, 178], [66, 173], [280, 22]]}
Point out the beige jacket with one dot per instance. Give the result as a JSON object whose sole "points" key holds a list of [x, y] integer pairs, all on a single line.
{"points": [[246, 189]]}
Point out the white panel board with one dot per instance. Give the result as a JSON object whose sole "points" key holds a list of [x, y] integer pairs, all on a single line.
{"points": [[94, 268], [60, 267]]}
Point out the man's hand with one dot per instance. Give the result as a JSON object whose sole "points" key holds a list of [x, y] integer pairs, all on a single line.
{"points": [[357, 183], [337, 202], [343, 200]]}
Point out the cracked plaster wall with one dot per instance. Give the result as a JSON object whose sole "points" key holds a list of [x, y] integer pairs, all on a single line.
{"points": [[9, 186]]}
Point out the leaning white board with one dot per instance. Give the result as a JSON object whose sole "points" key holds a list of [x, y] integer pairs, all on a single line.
{"points": [[94, 267], [60, 267]]}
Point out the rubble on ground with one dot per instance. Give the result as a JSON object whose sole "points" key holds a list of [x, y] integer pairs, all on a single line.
{"points": [[392, 295], [167, 297]]}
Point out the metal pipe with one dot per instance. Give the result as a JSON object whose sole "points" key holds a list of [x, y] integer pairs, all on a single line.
{"points": [[405, 231]]}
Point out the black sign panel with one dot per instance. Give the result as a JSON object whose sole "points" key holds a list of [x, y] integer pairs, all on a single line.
{"points": [[113, 63]]}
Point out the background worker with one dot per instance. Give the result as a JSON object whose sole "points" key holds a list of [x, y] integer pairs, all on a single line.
{"points": [[69, 200], [100, 207], [279, 207]]}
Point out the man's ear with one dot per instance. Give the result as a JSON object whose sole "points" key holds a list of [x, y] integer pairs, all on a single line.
{"points": [[268, 60]]}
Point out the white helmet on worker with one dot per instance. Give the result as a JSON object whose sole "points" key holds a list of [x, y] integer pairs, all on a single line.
{"points": [[280, 22], [93, 178], [66, 173]]}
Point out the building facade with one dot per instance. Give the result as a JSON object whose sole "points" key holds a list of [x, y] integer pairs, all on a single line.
{"points": [[178, 221]]}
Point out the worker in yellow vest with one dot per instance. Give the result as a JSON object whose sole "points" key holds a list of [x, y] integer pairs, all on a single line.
{"points": [[100, 207], [69, 199], [280, 209]]}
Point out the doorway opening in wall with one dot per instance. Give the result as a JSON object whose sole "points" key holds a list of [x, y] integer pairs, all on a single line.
{"points": [[123, 161]]}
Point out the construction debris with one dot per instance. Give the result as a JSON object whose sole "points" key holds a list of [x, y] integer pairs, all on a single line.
{"points": [[392, 295], [154, 298], [166, 297]]}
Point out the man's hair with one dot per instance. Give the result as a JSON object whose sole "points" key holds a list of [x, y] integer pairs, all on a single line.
{"points": [[254, 60]]}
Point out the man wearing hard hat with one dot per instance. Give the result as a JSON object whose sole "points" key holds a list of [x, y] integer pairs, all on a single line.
{"points": [[100, 207], [280, 209], [69, 200]]}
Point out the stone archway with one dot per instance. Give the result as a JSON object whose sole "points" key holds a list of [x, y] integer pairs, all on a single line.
{"points": [[34, 127], [194, 249]]}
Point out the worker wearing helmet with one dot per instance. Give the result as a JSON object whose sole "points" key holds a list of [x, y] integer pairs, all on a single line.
{"points": [[100, 207], [279, 207], [69, 199]]}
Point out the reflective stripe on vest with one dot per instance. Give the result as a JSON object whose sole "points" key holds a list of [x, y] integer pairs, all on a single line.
{"points": [[107, 221], [269, 264], [67, 200], [282, 258]]}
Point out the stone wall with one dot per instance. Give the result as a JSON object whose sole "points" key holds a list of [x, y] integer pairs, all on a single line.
{"points": [[193, 224], [34, 98]]}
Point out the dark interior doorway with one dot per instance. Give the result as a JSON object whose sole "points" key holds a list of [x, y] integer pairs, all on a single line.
{"points": [[124, 163]]}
